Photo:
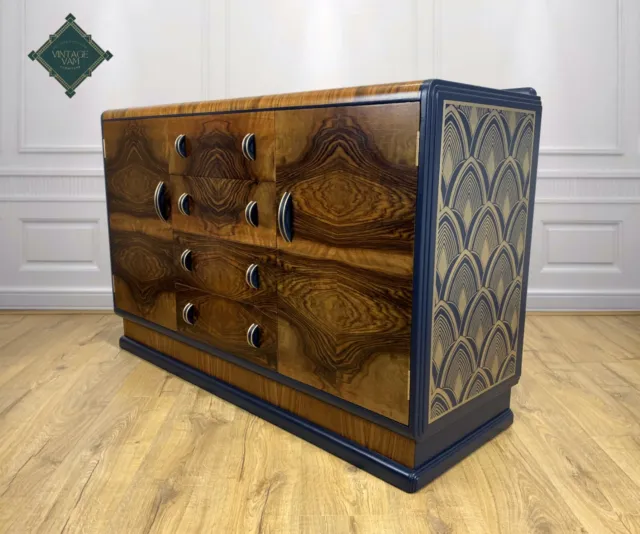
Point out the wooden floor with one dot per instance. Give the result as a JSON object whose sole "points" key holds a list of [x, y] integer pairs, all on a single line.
{"points": [[93, 439]]}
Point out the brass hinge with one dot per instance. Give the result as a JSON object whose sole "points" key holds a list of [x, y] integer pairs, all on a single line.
{"points": [[417, 148], [409, 384], [104, 148]]}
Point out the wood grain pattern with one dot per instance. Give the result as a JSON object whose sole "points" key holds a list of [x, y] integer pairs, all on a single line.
{"points": [[223, 323], [218, 209], [220, 267], [361, 431], [141, 243], [345, 95], [344, 296], [352, 174], [346, 331], [214, 146], [143, 270], [97, 440]]}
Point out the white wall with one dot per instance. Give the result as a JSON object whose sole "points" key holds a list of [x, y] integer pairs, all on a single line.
{"points": [[581, 55]]}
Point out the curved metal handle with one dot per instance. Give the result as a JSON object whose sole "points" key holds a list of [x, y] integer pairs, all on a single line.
{"points": [[184, 204], [249, 146], [253, 336], [251, 213], [189, 314], [160, 201], [285, 219], [252, 277], [180, 144], [186, 260]]}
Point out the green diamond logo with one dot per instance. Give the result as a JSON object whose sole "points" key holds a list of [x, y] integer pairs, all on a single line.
{"points": [[70, 55]]}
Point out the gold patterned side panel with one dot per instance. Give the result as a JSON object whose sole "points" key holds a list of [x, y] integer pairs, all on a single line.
{"points": [[483, 206]]}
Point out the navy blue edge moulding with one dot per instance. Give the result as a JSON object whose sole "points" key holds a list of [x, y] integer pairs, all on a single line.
{"points": [[444, 442]]}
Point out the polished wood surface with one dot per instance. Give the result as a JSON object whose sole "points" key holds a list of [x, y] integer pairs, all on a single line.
{"points": [[141, 243], [345, 95], [223, 323], [346, 331], [220, 267], [144, 276], [97, 440], [344, 295], [214, 146], [218, 209], [368, 434]]}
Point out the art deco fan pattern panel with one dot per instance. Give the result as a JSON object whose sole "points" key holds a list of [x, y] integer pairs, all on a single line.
{"points": [[482, 221]]}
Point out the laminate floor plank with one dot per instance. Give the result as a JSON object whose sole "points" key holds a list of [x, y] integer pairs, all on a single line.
{"points": [[96, 440]]}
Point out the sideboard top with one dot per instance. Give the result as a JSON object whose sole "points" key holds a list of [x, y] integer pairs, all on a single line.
{"points": [[406, 91]]}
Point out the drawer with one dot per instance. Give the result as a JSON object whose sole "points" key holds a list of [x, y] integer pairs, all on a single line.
{"points": [[223, 145], [218, 208], [239, 272], [225, 324]]}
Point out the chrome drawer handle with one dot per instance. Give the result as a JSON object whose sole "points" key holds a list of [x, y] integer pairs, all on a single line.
{"points": [[160, 201], [251, 213], [184, 204], [252, 276], [249, 146], [253, 336], [285, 217], [186, 260], [180, 145], [189, 314]]}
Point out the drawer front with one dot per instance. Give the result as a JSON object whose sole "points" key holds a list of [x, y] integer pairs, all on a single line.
{"points": [[218, 208], [144, 275], [214, 146], [224, 324], [239, 272]]}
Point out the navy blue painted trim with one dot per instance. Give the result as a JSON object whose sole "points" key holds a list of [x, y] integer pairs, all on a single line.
{"points": [[273, 375], [377, 101], [433, 95], [407, 479], [432, 469]]}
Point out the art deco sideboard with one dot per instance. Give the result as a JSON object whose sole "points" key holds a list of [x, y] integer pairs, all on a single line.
{"points": [[349, 264]]}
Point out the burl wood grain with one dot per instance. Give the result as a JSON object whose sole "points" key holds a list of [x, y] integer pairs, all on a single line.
{"points": [[345, 95], [217, 209], [220, 267], [214, 146], [347, 331], [223, 323], [344, 296], [363, 432], [141, 244], [143, 276]]}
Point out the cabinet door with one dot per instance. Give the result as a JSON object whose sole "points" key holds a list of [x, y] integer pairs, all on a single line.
{"points": [[141, 239], [346, 179]]}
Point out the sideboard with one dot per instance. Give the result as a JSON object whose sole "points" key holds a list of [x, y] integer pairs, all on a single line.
{"points": [[348, 264]]}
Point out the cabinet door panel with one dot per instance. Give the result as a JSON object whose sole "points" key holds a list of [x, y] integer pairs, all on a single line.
{"points": [[345, 293], [347, 331], [352, 176], [213, 146], [143, 276], [223, 323], [217, 208], [141, 243]]}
